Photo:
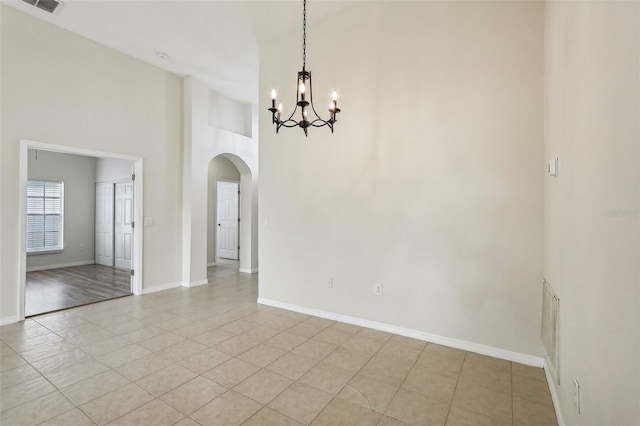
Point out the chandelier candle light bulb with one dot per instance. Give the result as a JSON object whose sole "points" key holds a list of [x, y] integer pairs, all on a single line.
{"points": [[333, 106], [304, 95], [302, 89]]}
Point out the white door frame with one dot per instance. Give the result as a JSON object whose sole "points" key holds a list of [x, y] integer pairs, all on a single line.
{"points": [[25, 145]]}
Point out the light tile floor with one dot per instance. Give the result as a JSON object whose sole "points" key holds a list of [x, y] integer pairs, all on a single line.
{"points": [[211, 355]]}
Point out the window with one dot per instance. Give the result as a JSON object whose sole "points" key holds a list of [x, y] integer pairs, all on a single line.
{"points": [[44, 216]]}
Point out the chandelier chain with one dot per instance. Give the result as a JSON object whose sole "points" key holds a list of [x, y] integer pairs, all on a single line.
{"points": [[304, 35]]}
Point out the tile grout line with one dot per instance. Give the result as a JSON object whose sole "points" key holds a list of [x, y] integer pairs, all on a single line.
{"points": [[297, 380], [513, 411], [403, 382], [464, 358]]}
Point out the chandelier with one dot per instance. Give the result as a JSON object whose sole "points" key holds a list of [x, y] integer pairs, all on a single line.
{"points": [[304, 96]]}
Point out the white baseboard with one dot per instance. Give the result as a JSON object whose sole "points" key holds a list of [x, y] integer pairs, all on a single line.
{"points": [[248, 270], [195, 283], [161, 287], [8, 320], [61, 265], [211, 264], [521, 358], [554, 395]]}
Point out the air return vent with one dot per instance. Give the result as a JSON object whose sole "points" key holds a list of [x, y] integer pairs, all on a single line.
{"points": [[550, 330], [46, 5]]}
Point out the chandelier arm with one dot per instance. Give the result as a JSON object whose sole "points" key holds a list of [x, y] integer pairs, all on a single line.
{"points": [[288, 123], [324, 123], [292, 114], [311, 99]]}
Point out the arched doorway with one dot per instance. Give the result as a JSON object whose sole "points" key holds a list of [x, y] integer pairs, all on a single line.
{"points": [[230, 169]]}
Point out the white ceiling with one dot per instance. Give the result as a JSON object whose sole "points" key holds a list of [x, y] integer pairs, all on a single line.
{"points": [[216, 41]]}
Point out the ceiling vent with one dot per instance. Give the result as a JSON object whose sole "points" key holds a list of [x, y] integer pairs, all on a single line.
{"points": [[46, 5]]}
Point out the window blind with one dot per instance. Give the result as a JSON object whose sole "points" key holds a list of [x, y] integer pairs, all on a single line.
{"points": [[44, 215]]}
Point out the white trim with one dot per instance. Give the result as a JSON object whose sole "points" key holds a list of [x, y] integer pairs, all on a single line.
{"points": [[249, 271], [211, 264], [44, 251], [60, 265], [521, 358], [161, 287], [195, 283], [43, 146], [22, 228], [554, 394], [138, 231], [121, 180], [8, 320]]}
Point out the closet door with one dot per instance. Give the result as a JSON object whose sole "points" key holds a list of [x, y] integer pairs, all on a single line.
{"points": [[123, 232], [104, 224]]}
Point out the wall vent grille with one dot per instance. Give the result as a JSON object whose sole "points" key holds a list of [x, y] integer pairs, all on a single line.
{"points": [[550, 329], [46, 5]]}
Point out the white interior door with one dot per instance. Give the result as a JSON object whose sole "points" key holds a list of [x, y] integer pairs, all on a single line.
{"points": [[123, 232], [227, 220], [104, 224]]}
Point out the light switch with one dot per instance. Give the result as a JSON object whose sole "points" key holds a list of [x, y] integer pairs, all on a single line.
{"points": [[265, 222], [148, 221], [553, 167]]}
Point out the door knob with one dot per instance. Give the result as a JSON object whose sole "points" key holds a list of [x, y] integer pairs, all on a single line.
{"points": [[218, 224]]}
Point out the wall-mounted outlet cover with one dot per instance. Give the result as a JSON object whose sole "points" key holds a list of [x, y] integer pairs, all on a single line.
{"points": [[330, 283], [553, 167], [377, 289]]}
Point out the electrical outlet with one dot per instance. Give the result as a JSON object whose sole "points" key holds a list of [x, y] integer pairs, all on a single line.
{"points": [[377, 289], [82, 246], [330, 283], [576, 394]]}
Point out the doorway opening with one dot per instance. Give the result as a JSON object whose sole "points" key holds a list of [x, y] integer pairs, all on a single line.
{"points": [[79, 245], [223, 212]]}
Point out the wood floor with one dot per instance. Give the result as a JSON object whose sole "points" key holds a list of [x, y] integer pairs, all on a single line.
{"points": [[62, 288]]}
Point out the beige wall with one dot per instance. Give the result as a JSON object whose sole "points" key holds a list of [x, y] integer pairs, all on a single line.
{"points": [[220, 169], [63, 89], [78, 173], [591, 240], [229, 114], [432, 183]]}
